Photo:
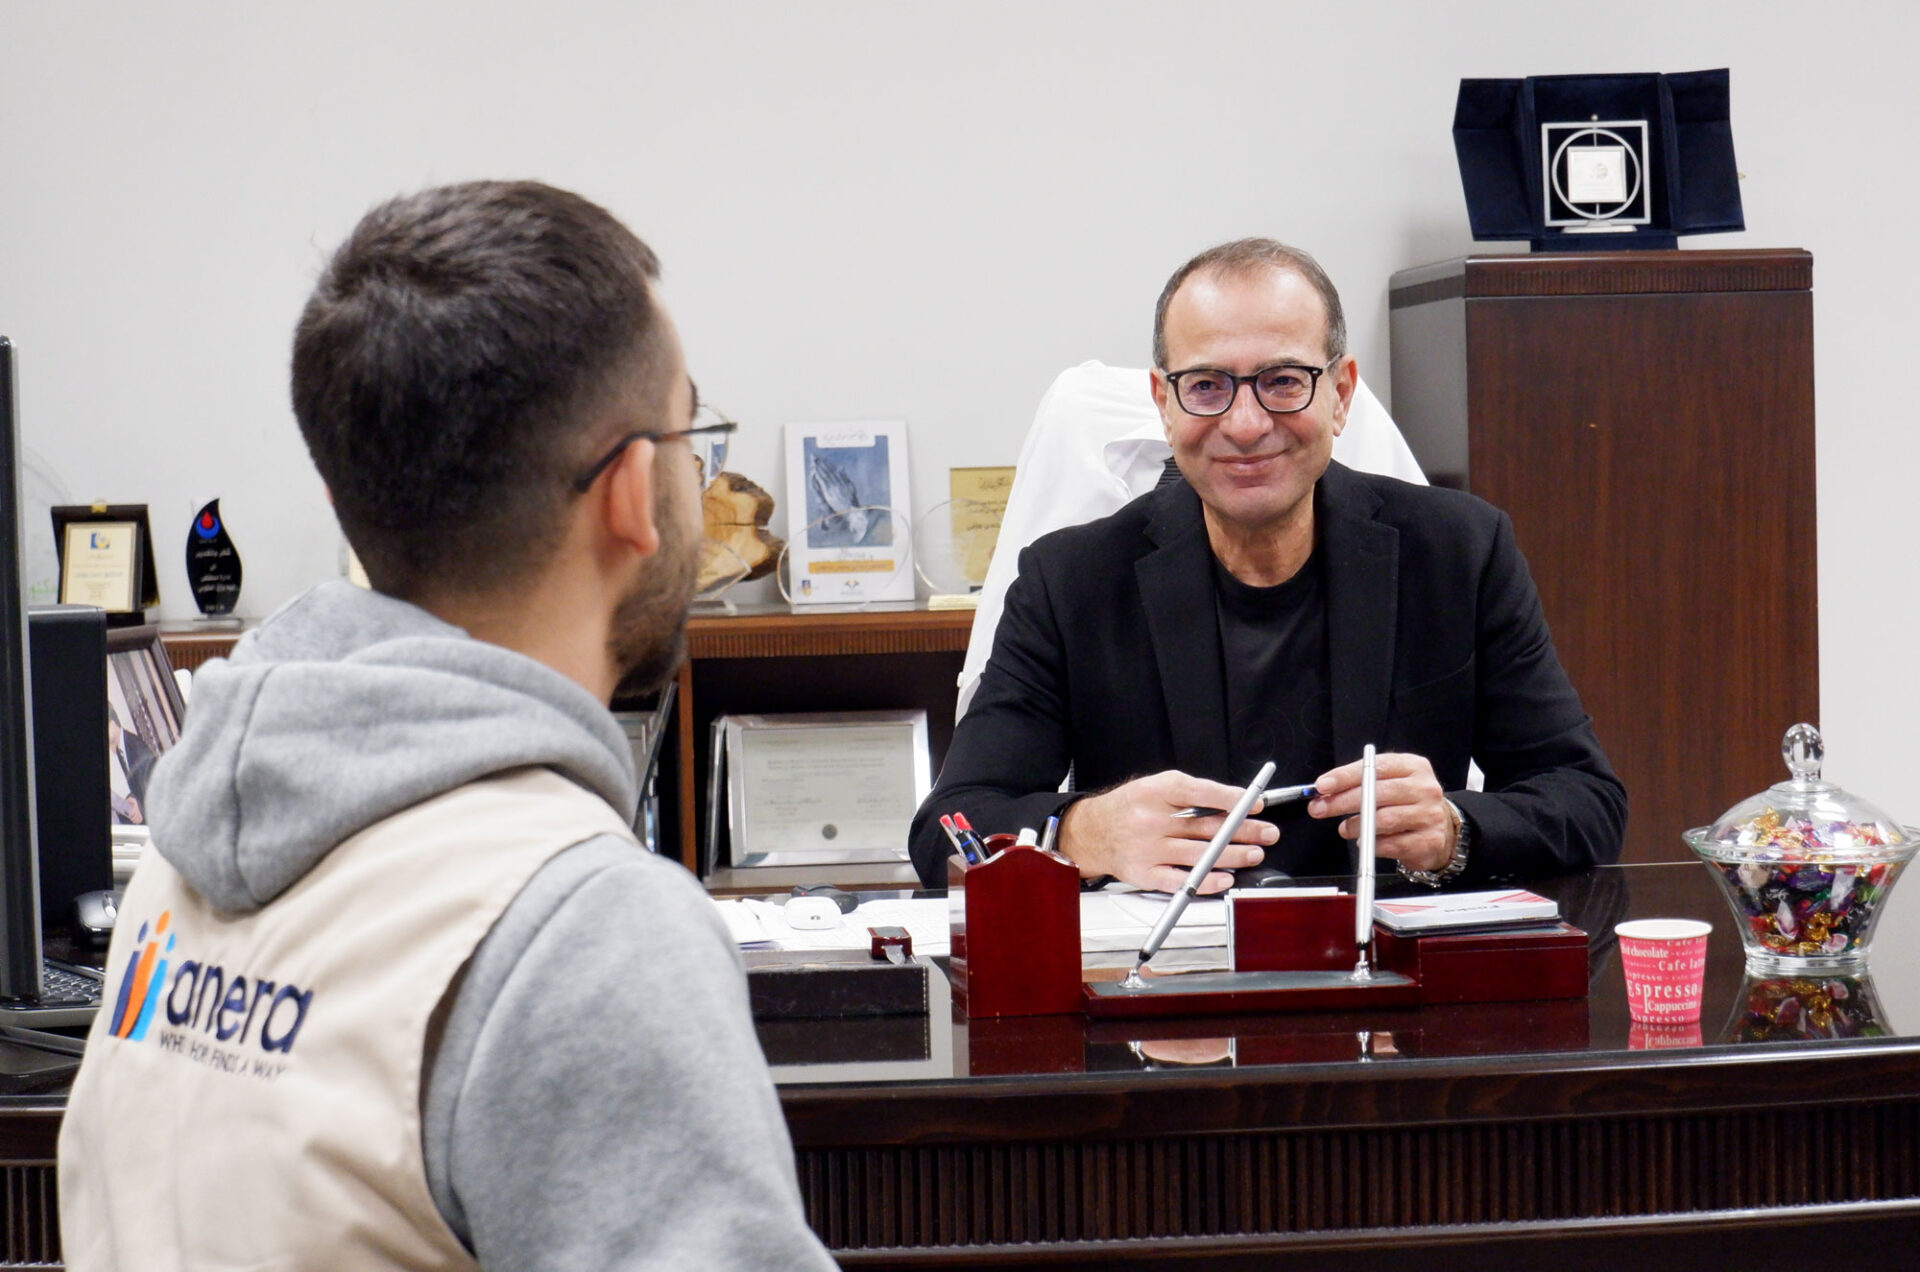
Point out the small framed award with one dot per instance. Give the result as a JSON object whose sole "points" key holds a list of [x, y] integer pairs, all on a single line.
{"points": [[849, 520], [823, 788], [106, 559]]}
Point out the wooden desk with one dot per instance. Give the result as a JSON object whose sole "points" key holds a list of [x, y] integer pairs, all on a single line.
{"points": [[1487, 1136]]}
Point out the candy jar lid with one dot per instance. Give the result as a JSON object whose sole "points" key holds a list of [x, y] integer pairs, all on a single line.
{"points": [[1805, 816]]}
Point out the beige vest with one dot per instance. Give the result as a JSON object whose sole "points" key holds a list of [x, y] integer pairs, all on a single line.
{"points": [[251, 1092]]}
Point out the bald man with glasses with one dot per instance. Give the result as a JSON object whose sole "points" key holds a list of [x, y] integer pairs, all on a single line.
{"points": [[1270, 603]]}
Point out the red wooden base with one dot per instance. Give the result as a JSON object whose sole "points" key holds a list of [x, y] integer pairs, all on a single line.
{"points": [[1480, 967], [1224, 993], [1490, 967], [1015, 920]]}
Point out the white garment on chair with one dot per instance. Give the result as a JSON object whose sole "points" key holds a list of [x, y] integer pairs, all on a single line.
{"points": [[1097, 443]]}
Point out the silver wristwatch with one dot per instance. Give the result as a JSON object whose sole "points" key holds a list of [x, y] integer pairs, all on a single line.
{"points": [[1462, 840]]}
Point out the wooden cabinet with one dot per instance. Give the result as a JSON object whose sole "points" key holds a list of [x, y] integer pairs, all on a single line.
{"points": [[768, 658], [1646, 419]]}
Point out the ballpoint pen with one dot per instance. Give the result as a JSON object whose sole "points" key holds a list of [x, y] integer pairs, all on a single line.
{"points": [[1363, 883], [1278, 795], [1198, 875], [959, 844]]}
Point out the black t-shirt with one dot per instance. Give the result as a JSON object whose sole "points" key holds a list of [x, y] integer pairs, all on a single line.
{"points": [[1273, 644]]}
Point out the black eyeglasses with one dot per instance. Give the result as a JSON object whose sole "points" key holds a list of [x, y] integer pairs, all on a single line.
{"points": [[722, 427], [1283, 388]]}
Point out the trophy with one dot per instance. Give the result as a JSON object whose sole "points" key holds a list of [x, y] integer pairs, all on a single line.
{"points": [[213, 567]]}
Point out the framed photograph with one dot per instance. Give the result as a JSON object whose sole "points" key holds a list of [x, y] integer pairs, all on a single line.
{"points": [[144, 715], [823, 788], [105, 556], [849, 518]]}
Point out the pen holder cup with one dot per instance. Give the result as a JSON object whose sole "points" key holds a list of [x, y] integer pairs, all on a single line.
{"points": [[1016, 933], [1279, 933]]}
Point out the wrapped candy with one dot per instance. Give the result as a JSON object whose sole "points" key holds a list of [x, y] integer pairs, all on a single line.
{"points": [[1805, 866], [1807, 1009]]}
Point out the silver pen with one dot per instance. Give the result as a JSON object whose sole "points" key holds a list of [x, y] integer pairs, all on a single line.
{"points": [[1278, 795], [1363, 883], [1198, 875]]}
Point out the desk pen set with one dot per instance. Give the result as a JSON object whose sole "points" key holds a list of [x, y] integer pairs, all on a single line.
{"points": [[1014, 909]]}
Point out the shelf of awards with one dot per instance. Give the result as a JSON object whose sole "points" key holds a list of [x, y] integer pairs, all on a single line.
{"points": [[191, 644], [764, 658]]}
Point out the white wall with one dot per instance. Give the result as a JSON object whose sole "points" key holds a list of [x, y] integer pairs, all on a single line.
{"points": [[890, 209]]}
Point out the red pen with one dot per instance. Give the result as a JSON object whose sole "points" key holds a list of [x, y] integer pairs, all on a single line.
{"points": [[960, 844]]}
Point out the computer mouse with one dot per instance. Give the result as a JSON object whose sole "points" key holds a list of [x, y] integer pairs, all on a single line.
{"points": [[96, 911]]}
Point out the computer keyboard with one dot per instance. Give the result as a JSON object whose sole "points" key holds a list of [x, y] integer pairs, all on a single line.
{"points": [[69, 995]]}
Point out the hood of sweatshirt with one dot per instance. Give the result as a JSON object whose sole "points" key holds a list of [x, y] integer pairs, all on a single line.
{"points": [[343, 709]]}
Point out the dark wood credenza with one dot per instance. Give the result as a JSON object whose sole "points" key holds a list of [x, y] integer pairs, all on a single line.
{"points": [[1647, 420]]}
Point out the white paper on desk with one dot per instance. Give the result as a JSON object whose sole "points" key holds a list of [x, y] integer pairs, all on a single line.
{"points": [[1123, 920], [924, 918], [763, 925], [743, 923]]}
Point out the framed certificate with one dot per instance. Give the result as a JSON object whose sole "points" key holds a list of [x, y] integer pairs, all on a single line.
{"points": [[823, 788], [100, 565], [849, 520], [106, 558]]}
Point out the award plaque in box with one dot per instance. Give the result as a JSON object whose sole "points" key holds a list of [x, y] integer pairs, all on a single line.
{"points": [[106, 559], [1587, 162], [822, 788]]}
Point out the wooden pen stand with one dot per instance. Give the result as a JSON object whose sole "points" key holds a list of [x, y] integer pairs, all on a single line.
{"points": [[1015, 919]]}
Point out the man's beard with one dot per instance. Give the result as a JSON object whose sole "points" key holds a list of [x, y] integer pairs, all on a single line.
{"points": [[648, 639]]}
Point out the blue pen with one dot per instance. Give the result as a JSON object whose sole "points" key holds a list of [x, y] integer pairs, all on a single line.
{"points": [[959, 844], [1278, 795]]}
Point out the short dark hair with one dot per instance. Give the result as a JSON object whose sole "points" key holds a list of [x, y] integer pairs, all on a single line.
{"points": [[450, 364], [1243, 256]]}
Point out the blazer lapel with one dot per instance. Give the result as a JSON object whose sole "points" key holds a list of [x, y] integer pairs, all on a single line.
{"points": [[1176, 587], [1363, 589]]}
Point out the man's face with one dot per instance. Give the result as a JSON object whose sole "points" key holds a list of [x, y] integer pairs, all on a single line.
{"points": [[649, 628], [1254, 469]]}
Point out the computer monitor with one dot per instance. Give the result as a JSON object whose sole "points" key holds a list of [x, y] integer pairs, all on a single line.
{"points": [[33, 993], [20, 956], [67, 654]]}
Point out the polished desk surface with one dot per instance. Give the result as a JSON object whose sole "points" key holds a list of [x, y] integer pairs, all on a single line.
{"points": [[1551, 1129], [1739, 1012], [1505, 1135]]}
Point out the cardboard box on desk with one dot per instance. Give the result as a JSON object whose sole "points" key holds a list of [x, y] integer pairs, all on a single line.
{"points": [[1015, 919]]}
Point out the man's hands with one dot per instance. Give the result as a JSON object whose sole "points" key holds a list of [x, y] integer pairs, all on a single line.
{"points": [[1412, 823], [1130, 832]]}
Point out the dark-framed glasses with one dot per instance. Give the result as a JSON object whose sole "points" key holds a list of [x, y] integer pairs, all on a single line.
{"points": [[1283, 388], [717, 426]]}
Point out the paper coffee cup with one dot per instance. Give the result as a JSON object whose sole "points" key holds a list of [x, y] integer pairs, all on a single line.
{"points": [[1666, 966]]}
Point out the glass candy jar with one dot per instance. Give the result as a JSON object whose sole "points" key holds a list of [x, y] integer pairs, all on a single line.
{"points": [[1805, 866]]}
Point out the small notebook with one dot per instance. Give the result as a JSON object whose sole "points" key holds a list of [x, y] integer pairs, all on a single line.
{"points": [[1464, 909]]}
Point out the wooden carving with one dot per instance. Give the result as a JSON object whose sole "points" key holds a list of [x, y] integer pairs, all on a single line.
{"points": [[738, 544]]}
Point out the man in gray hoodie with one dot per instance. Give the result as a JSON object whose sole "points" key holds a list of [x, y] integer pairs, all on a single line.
{"points": [[396, 986]]}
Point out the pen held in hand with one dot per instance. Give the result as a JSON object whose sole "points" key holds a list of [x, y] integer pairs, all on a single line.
{"points": [[1278, 795], [1177, 904]]}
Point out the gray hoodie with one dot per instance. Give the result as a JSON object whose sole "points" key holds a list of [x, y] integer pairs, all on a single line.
{"points": [[597, 1098]]}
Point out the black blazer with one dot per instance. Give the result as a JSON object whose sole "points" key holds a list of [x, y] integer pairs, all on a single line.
{"points": [[1107, 659]]}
